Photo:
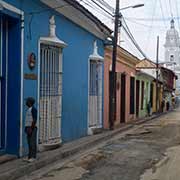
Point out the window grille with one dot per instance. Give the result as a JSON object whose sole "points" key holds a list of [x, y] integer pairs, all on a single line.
{"points": [[50, 93], [95, 94]]}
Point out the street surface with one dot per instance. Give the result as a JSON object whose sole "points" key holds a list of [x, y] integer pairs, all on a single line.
{"points": [[149, 151]]}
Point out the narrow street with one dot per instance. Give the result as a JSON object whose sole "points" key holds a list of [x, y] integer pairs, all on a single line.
{"points": [[149, 151]]}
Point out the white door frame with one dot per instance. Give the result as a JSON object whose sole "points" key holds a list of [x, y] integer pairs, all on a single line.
{"points": [[97, 59], [39, 71]]}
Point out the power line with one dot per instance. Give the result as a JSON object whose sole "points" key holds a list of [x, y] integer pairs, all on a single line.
{"points": [[145, 25], [165, 2], [136, 45], [162, 12], [128, 32], [152, 21], [102, 8], [105, 4], [177, 10], [170, 6], [97, 9], [131, 45]]}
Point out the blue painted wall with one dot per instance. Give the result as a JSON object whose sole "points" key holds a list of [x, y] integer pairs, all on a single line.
{"points": [[75, 64]]}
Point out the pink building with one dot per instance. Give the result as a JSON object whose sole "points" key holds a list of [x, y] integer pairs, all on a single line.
{"points": [[125, 86]]}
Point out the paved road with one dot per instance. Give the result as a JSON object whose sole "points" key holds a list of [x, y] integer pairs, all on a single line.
{"points": [[148, 152]]}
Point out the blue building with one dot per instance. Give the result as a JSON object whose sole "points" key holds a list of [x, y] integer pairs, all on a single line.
{"points": [[52, 51]]}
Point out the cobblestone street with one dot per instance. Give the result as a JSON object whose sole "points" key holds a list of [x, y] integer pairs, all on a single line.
{"points": [[151, 148]]}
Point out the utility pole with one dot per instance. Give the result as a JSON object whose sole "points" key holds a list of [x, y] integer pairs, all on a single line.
{"points": [[157, 74], [113, 76]]}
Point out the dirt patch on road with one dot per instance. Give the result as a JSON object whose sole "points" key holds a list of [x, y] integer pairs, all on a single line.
{"points": [[167, 169]]}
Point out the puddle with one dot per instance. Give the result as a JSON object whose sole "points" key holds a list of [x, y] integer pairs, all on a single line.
{"points": [[115, 147]]}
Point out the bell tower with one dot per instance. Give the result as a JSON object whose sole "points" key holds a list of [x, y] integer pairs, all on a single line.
{"points": [[172, 45]]}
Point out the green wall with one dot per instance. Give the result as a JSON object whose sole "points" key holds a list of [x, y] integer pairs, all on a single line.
{"points": [[146, 98]]}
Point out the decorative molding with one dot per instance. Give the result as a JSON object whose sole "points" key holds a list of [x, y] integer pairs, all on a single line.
{"points": [[52, 39], [95, 56]]}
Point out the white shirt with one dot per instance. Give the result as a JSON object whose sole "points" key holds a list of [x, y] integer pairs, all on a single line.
{"points": [[29, 118]]}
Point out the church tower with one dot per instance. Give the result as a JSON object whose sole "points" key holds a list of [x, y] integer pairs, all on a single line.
{"points": [[172, 54], [172, 46]]}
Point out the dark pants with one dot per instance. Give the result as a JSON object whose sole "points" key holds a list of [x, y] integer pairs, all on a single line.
{"points": [[31, 139]]}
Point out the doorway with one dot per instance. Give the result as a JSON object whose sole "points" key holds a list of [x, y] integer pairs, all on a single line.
{"points": [[50, 108], [137, 97], [10, 83], [123, 99]]}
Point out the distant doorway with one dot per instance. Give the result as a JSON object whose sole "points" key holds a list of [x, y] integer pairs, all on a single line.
{"points": [[151, 95], [137, 97], [123, 99]]}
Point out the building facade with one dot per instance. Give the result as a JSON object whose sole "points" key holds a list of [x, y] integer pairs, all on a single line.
{"points": [[54, 55], [149, 68], [143, 94], [125, 86]]}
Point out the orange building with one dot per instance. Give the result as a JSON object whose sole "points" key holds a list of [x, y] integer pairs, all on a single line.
{"points": [[125, 86]]}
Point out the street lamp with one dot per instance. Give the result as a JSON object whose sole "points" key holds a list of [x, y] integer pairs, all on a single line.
{"points": [[135, 6], [114, 54]]}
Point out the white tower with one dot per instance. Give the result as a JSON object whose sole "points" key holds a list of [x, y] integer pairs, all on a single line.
{"points": [[172, 52], [172, 46]]}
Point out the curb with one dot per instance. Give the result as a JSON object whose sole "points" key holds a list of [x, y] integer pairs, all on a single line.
{"points": [[56, 155]]}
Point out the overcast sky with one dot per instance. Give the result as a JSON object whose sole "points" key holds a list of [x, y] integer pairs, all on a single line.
{"points": [[145, 23]]}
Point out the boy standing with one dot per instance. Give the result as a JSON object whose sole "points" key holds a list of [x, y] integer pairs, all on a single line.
{"points": [[31, 129]]}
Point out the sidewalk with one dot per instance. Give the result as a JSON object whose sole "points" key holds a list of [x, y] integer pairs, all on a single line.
{"points": [[17, 168]]}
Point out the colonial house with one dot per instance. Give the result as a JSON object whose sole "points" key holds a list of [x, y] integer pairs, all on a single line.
{"points": [[169, 86], [52, 51], [155, 90], [125, 86], [144, 96]]}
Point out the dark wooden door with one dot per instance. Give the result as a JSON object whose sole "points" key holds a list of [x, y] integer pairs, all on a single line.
{"points": [[137, 97], [123, 99], [151, 95], [111, 115]]}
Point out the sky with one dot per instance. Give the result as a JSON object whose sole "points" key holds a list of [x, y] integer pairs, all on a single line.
{"points": [[145, 23]]}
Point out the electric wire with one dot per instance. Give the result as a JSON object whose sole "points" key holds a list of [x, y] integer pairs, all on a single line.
{"points": [[128, 32], [102, 8], [170, 6], [106, 5], [162, 12], [130, 45], [145, 25], [155, 19], [152, 21], [177, 10], [97, 9]]}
